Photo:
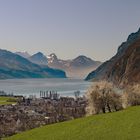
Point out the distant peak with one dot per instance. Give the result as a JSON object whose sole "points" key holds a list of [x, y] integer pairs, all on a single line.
{"points": [[39, 53], [83, 57], [53, 54], [131, 38], [39, 58]]}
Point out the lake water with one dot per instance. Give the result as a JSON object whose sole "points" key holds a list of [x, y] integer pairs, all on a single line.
{"points": [[26, 87]]}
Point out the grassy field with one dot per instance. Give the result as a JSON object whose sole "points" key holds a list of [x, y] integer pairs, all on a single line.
{"points": [[7, 100], [123, 125]]}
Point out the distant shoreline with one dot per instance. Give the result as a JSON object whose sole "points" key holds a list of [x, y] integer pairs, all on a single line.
{"points": [[25, 87]]}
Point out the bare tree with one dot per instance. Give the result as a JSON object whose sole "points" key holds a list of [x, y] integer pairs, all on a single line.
{"points": [[102, 97], [131, 96]]}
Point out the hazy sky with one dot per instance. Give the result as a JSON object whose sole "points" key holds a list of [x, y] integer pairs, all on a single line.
{"points": [[68, 27]]}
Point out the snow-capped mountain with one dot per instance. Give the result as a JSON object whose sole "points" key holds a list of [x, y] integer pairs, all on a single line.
{"points": [[78, 67]]}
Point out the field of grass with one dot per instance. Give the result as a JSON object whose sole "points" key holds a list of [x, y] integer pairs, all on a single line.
{"points": [[122, 125], [7, 100]]}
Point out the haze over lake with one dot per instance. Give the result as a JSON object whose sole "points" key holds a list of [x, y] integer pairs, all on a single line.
{"points": [[26, 87]]}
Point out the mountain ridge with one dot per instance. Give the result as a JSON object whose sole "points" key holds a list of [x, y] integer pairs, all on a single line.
{"points": [[23, 54], [116, 69], [15, 66], [78, 67], [39, 58]]}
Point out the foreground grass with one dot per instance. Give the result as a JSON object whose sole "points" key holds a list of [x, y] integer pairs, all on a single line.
{"points": [[7, 100], [123, 125]]}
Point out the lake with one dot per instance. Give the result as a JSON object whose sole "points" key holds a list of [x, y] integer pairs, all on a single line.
{"points": [[26, 87]]}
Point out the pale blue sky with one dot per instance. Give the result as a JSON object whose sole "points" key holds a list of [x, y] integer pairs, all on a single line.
{"points": [[68, 27]]}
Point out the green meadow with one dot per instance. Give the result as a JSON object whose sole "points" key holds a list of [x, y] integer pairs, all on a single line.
{"points": [[7, 100]]}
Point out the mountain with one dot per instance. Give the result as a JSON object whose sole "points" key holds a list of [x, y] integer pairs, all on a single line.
{"points": [[24, 54], [124, 67], [15, 66], [39, 58], [83, 61], [78, 67]]}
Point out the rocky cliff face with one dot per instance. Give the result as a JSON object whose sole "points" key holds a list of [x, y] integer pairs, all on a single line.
{"points": [[124, 67]]}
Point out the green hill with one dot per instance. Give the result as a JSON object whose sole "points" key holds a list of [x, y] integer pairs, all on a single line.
{"points": [[122, 125]]}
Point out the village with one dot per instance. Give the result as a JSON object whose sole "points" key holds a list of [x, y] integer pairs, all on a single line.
{"points": [[32, 112]]}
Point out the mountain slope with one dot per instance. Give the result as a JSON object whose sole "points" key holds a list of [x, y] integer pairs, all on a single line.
{"points": [[78, 67], [121, 125], [83, 61], [23, 54], [15, 66], [39, 58], [124, 67]]}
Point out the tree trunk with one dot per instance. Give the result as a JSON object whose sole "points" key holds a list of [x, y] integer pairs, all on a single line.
{"points": [[103, 109], [108, 106], [115, 107]]}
